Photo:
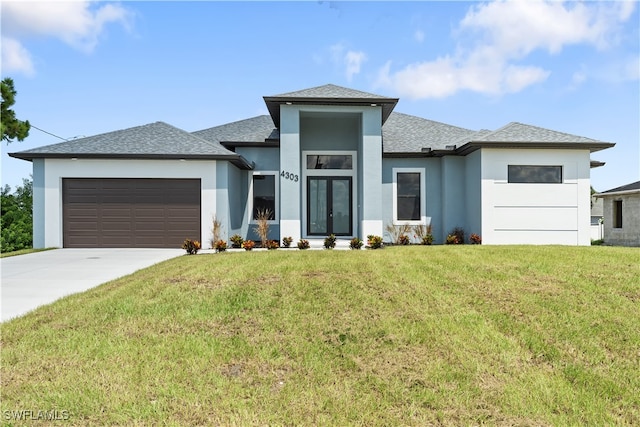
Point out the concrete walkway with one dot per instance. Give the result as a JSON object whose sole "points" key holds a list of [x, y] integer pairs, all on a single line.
{"points": [[29, 281]]}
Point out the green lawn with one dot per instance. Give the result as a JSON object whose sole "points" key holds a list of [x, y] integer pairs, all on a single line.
{"points": [[22, 252], [452, 335]]}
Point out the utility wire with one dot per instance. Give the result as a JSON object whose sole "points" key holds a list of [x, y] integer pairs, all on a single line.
{"points": [[49, 133]]}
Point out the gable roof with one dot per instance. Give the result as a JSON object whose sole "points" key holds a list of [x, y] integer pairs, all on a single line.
{"points": [[157, 140], [629, 188], [328, 95]]}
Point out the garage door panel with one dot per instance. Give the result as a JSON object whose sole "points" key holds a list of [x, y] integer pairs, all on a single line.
{"points": [[130, 212]]}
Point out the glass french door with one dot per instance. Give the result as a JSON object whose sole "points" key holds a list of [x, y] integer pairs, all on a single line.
{"points": [[329, 206]]}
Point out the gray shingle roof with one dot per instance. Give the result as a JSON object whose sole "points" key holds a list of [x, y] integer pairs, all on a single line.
{"points": [[330, 91], [403, 133], [152, 140], [629, 187], [518, 132], [255, 129]]}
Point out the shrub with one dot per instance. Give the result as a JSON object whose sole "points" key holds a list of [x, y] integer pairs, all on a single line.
{"points": [[247, 245], [404, 240], [191, 246], [220, 245], [475, 239], [303, 244], [456, 237], [262, 225], [236, 241], [598, 242], [355, 243], [424, 233], [286, 241], [374, 242], [272, 244], [395, 232], [427, 239], [216, 230], [330, 242]]}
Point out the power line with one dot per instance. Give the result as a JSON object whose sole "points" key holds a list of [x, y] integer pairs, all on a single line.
{"points": [[48, 133]]}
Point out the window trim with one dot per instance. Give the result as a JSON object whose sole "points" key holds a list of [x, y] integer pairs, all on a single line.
{"points": [[509, 181], [423, 199], [276, 180]]}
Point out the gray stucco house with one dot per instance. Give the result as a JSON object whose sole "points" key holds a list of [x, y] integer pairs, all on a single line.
{"points": [[621, 207], [325, 160]]}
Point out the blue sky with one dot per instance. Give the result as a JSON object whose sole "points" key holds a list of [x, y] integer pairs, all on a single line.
{"points": [[84, 68]]}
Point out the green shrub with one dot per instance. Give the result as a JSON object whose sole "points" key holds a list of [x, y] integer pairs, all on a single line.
{"points": [[356, 243], [330, 242], [374, 242], [236, 241]]}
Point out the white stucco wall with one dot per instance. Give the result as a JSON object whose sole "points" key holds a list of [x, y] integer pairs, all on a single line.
{"points": [[47, 203], [535, 213]]}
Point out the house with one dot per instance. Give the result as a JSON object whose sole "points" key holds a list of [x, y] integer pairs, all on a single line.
{"points": [[326, 160], [622, 215]]}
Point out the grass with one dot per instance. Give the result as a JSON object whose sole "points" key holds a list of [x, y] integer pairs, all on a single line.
{"points": [[450, 335], [23, 252]]}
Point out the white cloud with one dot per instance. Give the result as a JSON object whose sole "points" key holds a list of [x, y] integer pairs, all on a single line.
{"points": [[76, 23], [419, 36], [15, 58], [351, 60], [494, 37]]}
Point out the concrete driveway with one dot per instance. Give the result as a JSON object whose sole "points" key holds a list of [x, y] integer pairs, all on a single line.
{"points": [[29, 281]]}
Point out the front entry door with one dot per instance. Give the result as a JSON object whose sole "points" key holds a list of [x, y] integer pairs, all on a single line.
{"points": [[329, 206]]}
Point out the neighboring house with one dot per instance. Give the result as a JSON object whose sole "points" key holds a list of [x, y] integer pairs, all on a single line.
{"points": [[622, 215], [325, 160], [597, 215]]}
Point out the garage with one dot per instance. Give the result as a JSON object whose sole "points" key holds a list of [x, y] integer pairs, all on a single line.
{"points": [[130, 213]]}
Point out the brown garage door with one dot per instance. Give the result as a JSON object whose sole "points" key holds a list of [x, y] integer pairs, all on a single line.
{"points": [[130, 213]]}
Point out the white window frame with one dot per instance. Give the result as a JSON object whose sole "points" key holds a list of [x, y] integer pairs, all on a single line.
{"points": [[423, 199], [276, 178]]}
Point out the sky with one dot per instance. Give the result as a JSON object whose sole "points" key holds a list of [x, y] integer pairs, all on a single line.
{"points": [[84, 68]]}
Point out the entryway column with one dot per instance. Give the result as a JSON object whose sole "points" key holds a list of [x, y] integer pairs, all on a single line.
{"points": [[371, 173], [290, 172]]}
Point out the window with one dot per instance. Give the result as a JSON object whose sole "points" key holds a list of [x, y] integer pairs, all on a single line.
{"points": [[263, 194], [535, 174], [329, 161], [409, 196], [617, 214]]}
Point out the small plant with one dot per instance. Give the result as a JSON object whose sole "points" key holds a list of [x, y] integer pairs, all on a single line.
{"points": [[191, 246], [404, 240], [395, 232], [330, 242], [456, 237], [475, 239], [236, 241], [247, 245], [216, 230], [355, 243], [374, 242], [598, 242], [220, 245], [286, 242], [262, 225], [303, 244], [424, 233], [272, 244]]}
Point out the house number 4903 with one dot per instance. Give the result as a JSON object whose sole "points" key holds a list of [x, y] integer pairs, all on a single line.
{"points": [[290, 176]]}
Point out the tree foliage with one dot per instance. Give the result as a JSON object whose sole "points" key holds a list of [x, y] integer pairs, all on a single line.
{"points": [[16, 221], [11, 127]]}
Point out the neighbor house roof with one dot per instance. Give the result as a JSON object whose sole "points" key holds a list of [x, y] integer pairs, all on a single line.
{"points": [[157, 140], [328, 95], [634, 187]]}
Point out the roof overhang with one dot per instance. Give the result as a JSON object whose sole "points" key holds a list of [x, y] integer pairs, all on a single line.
{"points": [[269, 143], [274, 103], [617, 193], [237, 160], [596, 164], [476, 145]]}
